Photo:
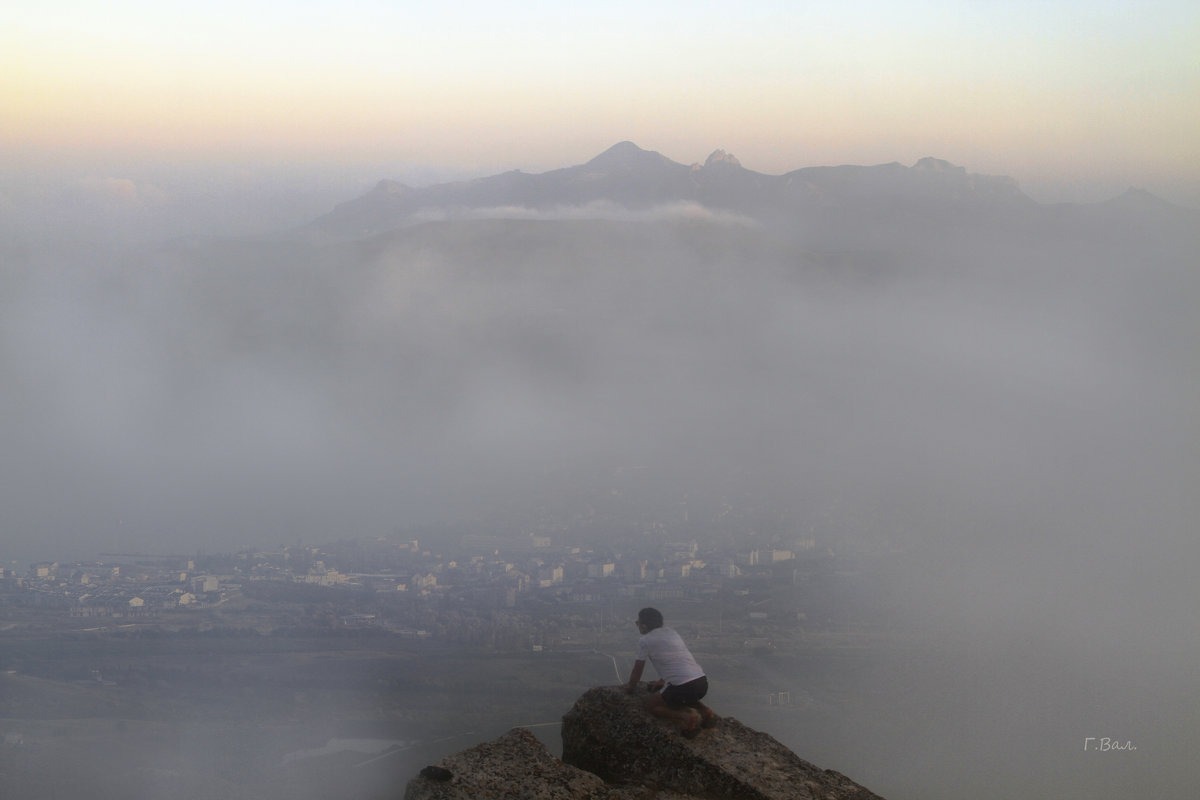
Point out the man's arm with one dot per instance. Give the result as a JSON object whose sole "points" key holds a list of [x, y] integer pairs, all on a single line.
{"points": [[635, 676]]}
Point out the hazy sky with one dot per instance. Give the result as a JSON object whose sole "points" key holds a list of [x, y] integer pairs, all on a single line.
{"points": [[1070, 98], [1010, 402]]}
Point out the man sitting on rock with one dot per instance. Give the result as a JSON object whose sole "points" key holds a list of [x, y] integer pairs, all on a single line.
{"points": [[683, 682]]}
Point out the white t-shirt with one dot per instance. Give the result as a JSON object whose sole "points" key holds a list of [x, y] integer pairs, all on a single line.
{"points": [[669, 655]]}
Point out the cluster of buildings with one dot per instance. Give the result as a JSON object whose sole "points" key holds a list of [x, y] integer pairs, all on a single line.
{"points": [[116, 586], [501, 572], [487, 572]]}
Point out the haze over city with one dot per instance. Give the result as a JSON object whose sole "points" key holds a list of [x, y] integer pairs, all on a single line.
{"points": [[912, 283]]}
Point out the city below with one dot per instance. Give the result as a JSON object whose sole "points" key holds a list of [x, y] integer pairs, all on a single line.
{"points": [[525, 592]]}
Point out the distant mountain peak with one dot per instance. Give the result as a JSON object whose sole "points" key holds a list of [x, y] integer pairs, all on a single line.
{"points": [[930, 164], [721, 157], [624, 153], [623, 147], [387, 186], [1139, 200]]}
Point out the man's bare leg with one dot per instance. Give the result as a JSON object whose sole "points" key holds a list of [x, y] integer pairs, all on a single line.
{"points": [[707, 717], [686, 719]]}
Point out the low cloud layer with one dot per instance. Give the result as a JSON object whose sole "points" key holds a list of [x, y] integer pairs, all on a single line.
{"points": [[1008, 413], [598, 210]]}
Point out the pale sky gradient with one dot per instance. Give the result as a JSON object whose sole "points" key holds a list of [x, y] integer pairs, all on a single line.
{"points": [[1073, 95]]}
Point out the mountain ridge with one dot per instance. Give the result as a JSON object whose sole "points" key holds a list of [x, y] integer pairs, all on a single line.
{"points": [[628, 176]]}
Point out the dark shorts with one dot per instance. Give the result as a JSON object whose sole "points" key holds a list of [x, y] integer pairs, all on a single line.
{"points": [[688, 694]]}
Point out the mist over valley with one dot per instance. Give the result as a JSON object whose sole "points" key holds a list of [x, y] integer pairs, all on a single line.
{"points": [[988, 400]]}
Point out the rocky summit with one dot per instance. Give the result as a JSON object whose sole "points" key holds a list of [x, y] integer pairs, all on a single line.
{"points": [[613, 749]]}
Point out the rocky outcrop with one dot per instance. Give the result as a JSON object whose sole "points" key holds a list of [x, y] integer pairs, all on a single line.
{"points": [[613, 749], [608, 733], [515, 765]]}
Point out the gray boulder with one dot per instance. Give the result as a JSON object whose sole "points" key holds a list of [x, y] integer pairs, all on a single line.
{"points": [[608, 733], [614, 750], [516, 765]]}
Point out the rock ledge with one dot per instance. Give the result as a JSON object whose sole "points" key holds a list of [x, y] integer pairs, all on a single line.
{"points": [[612, 749]]}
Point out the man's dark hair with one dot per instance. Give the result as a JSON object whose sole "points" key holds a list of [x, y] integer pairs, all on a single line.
{"points": [[651, 618]]}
